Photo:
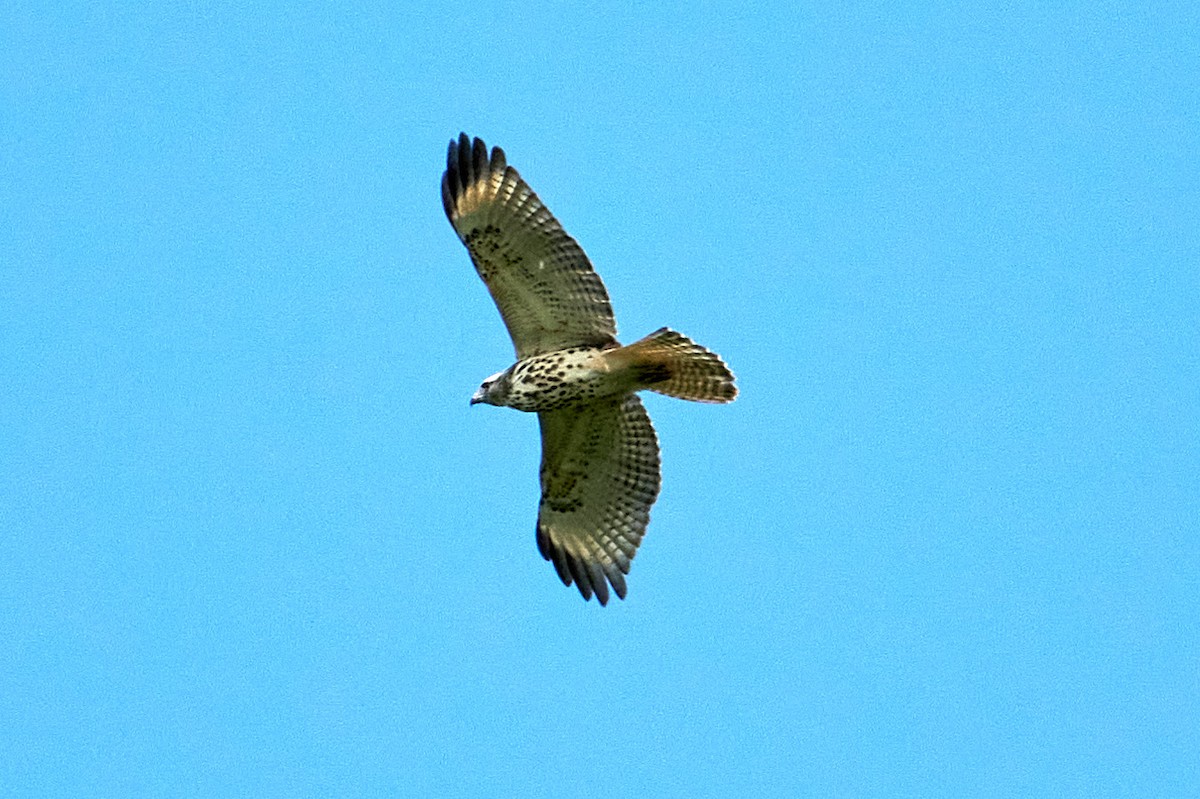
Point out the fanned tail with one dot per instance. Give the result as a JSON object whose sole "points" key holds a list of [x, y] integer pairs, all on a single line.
{"points": [[671, 363]]}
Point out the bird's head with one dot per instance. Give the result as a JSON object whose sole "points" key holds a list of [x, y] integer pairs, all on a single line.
{"points": [[493, 391]]}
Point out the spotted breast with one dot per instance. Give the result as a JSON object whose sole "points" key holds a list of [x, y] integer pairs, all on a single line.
{"points": [[563, 378]]}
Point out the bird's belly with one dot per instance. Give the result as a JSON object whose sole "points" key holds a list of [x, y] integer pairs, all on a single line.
{"points": [[559, 380]]}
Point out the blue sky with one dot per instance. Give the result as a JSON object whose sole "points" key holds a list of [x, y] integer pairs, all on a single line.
{"points": [[255, 542]]}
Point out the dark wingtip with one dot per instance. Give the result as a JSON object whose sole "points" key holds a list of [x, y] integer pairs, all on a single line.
{"points": [[617, 579], [599, 584], [554, 555], [589, 578], [479, 158], [455, 179], [447, 196], [580, 575], [463, 165], [467, 162]]}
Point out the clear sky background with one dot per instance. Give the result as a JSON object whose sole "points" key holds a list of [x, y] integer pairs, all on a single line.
{"points": [[254, 542]]}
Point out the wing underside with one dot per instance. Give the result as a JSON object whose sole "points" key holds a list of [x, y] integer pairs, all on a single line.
{"points": [[600, 476], [542, 282]]}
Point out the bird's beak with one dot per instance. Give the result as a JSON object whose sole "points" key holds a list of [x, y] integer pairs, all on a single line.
{"points": [[478, 398]]}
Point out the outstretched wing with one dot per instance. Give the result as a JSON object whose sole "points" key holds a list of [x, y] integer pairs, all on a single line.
{"points": [[541, 280], [600, 475]]}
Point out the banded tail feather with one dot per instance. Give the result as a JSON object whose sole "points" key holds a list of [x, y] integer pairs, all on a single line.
{"points": [[670, 363]]}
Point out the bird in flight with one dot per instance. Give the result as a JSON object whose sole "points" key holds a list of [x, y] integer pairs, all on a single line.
{"points": [[600, 461]]}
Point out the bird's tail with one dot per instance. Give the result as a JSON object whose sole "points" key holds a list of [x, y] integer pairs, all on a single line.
{"points": [[671, 363]]}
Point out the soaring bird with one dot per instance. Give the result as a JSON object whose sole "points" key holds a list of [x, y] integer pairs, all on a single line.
{"points": [[600, 457]]}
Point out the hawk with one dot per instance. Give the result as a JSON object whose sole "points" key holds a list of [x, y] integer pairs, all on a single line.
{"points": [[600, 462]]}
